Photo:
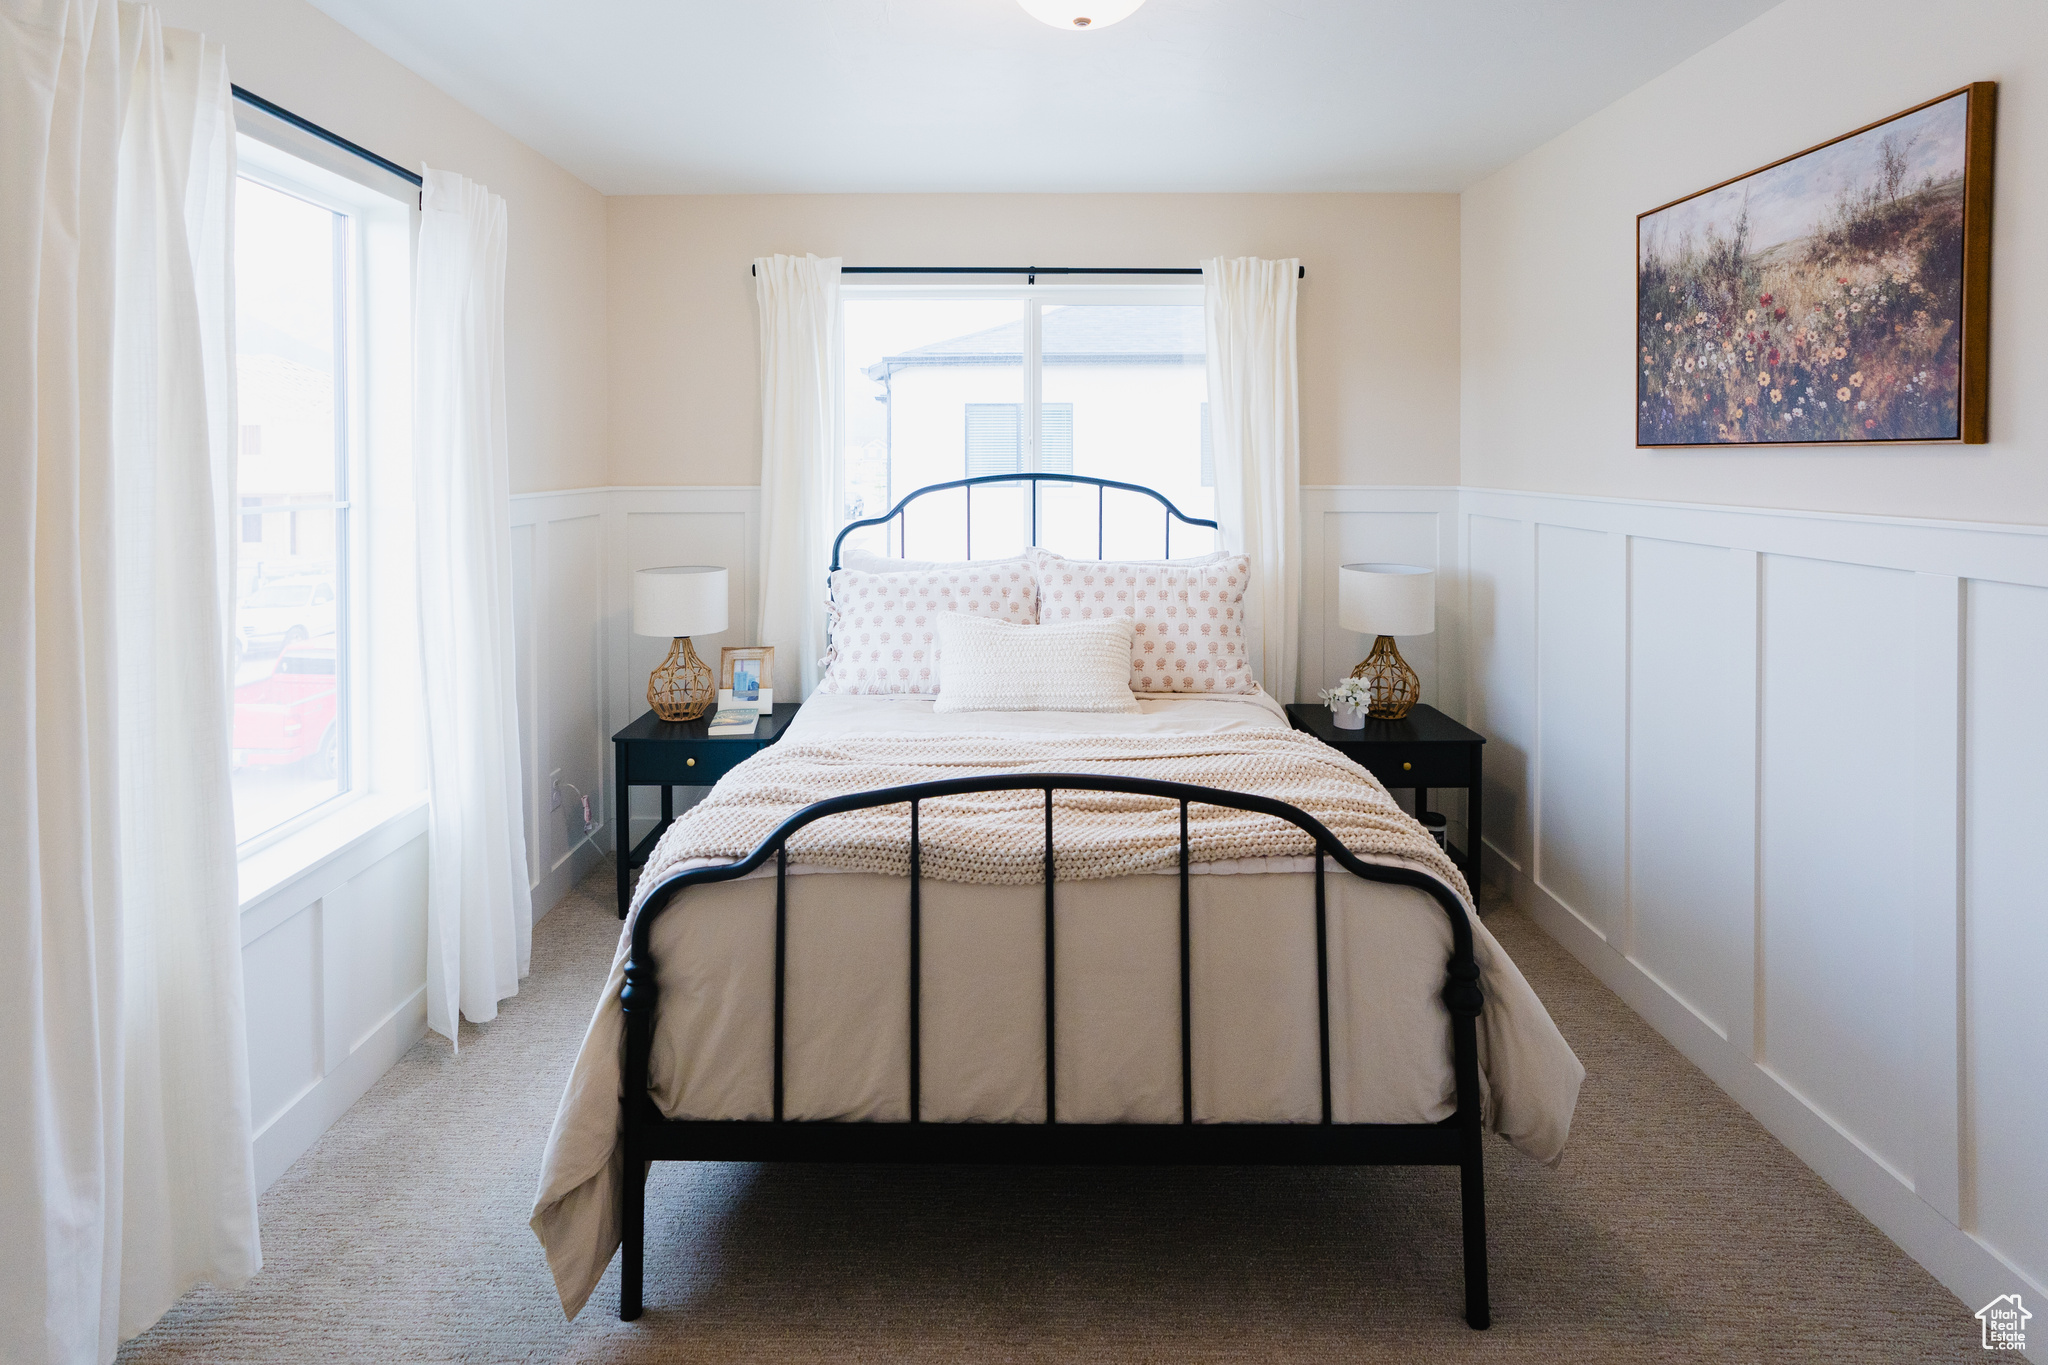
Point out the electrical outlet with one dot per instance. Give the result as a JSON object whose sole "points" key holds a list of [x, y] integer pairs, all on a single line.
{"points": [[555, 790]]}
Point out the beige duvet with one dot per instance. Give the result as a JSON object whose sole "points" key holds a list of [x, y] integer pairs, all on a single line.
{"points": [[1255, 1030]]}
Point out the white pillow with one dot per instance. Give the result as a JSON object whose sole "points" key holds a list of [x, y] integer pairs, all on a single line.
{"points": [[1187, 618], [986, 664], [883, 625]]}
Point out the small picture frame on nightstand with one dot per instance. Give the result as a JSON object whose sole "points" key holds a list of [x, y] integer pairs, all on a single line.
{"points": [[746, 676]]}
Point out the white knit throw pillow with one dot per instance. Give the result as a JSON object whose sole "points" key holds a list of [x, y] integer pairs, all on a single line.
{"points": [[986, 664]]}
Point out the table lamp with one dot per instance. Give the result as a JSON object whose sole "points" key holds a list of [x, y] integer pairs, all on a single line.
{"points": [[680, 601], [1385, 600]]}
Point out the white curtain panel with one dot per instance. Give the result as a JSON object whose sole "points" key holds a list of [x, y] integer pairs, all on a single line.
{"points": [[127, 1176], [1256, 429], [479, 900], [801, 416]]}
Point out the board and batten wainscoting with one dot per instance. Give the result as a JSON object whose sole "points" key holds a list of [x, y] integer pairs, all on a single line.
{"points": [[334, 943], [1775, 777], [1778, 779], [334, 971], [561, 565]]}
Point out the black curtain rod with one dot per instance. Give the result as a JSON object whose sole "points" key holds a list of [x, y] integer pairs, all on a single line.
{"points": [[1034, 271], [306, 125]]}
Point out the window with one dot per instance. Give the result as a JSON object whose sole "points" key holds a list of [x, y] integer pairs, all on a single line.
{"points": [[293, 282], [949, 384], [322, 322]]}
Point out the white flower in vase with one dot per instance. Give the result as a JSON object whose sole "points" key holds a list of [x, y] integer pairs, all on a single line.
{"points": [[1348, 701]]}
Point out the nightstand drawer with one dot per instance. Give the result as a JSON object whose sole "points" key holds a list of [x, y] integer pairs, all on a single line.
{"points": [[1420, 765], [698, 763]]}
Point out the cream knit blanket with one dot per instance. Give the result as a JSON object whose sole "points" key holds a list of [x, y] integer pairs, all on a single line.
{"points": [[999, 837]]}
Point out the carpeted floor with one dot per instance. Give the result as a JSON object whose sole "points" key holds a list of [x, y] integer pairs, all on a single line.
{"points": [[1676, 1229]]}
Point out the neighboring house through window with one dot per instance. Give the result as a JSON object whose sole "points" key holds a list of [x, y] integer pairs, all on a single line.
{"points": [[943, 385]]}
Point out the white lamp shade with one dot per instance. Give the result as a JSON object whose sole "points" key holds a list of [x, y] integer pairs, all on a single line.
{"points": [[1084, 15], [1386, 599], [683, 599]]}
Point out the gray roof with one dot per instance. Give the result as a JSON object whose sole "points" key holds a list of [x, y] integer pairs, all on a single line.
{"points": [[1082, 334]]}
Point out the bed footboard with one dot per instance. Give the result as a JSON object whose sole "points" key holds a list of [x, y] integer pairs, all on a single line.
{"points": [[648, 1136]]}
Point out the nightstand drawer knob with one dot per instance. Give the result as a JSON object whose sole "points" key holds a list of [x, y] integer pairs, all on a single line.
{"points": [[1405, 767], [689, 762]]}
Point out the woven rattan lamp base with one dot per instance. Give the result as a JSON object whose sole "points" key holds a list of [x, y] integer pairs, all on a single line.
{"points": [[682, 688], [1395, 688]]}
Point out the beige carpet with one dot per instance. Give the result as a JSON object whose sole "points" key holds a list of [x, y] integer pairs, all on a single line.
{"points": [[1676, 1229]]}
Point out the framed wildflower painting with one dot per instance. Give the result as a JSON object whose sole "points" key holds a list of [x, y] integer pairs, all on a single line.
{"points": [[1841, 295]]}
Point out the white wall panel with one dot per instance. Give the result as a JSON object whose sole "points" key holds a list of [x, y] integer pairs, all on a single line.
{"points": [[1500, 586], [1692, 775], [2005, 942], [282, 997], [1581, 722], [1834, 866], [375, 936], [562, 595], [526, 681], [334, 977], [573, 667]]}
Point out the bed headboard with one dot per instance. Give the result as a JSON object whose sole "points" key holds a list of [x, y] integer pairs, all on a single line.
{"points": [[1171, 513]]}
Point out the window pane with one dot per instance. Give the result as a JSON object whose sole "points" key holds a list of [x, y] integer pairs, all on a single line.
{"points": [[925, 379], [1125, 387], [290, 721]]}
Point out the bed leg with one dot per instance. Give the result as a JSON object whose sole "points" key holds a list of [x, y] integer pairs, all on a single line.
{"points": [[632, 1235], [1472, 1183]]}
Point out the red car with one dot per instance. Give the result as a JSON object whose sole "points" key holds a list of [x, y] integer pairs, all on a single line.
{"points": [[290, 715]]}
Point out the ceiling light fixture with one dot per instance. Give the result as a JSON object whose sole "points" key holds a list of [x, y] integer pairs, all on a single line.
{"points": [[1080, 14]]}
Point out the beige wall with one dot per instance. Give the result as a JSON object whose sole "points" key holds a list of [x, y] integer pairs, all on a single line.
{"points": [[1548, 392], [289, 52], [1378, 315]]}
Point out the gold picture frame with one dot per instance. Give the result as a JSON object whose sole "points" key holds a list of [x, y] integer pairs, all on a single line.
{"points": [[1840, 296], [763, 674]]}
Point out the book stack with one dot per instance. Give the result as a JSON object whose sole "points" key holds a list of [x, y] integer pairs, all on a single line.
{"points": [[736, 720]]}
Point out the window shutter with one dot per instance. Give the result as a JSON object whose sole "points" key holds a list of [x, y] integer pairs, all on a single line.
{"points": [[994, 438], [1056, 453]]}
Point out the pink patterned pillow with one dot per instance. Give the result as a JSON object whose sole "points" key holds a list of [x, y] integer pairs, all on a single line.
{"points": [[884, 626], [1189, 632]]}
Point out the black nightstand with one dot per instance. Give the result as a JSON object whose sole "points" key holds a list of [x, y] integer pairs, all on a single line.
{"points": [[1424, 749], [652, 752]]}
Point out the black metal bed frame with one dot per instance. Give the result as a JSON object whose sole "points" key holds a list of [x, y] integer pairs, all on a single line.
{"points": [[1034, 478], [648, 1136]]}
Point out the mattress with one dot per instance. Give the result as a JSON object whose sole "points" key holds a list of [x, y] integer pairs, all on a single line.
{"points": [[1255, 1027]]}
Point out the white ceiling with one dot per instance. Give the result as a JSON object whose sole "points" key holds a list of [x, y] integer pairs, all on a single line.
{"points": [[687, 96]]}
